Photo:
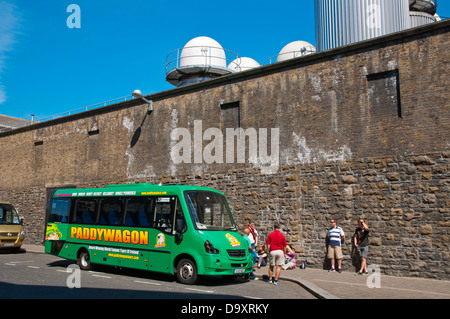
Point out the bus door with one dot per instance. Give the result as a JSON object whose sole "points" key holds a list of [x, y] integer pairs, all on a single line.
{"points": [[161, 236]]}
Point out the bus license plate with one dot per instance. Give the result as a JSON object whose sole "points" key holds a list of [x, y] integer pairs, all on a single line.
{"points": [[239, 271]]}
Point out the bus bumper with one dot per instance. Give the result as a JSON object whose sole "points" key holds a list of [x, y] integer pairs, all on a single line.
{"points": [[218, 265]]}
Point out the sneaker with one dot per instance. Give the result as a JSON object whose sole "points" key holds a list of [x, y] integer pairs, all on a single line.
{"points": [[331, 270], [270, 281], [339, 270], [276, 282]]}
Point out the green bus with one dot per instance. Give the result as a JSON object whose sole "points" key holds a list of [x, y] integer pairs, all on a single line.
{"points": [[176, 229]]}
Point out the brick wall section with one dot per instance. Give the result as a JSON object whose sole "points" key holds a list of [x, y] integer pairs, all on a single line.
{"points": [[364, 130]]}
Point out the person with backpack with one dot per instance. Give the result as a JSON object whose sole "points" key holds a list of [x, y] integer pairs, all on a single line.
{"points": [[335, 235]]}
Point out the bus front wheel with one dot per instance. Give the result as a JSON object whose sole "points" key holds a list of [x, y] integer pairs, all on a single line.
{"points": [[187, 271], [84, 260]]}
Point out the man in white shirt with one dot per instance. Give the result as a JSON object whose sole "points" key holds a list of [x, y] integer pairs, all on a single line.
{"points": [[334, 236]]}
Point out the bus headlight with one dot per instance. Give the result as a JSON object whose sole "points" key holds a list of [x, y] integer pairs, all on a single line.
{"points": [[210, 248]]}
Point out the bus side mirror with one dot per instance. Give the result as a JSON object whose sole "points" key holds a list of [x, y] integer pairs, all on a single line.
{"points": [[21, 220], [180, 228]]}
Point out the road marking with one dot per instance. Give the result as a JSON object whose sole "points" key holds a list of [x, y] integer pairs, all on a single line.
{"points": [[33, 267], [25, 261], [101, 276], [10, 264], [98, 274], [200, 290], [147, 282]]}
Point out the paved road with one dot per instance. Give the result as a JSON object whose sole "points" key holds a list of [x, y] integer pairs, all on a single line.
{"points": [[28, 275]]}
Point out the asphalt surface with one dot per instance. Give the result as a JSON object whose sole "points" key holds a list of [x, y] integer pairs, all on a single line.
{"points": [[30, 274], [347, 285]]}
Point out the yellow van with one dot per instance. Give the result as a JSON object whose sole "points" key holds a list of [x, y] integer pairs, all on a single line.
{"points": [[11, 229]]}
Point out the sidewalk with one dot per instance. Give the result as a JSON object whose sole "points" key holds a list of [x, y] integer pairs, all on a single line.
{"points": [[347, 285], [40, 249]]}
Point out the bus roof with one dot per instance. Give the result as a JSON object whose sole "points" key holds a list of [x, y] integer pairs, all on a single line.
{"points": [[140, 189]]}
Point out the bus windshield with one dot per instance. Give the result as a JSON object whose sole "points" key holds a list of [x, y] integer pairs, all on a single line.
{"points": [[209, 211], [8, 215]]}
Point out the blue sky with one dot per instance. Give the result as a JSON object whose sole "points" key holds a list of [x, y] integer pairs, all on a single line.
{"points": [[47, 68]]}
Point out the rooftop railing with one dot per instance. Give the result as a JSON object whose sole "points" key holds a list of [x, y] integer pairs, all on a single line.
{"points": [[4, 128]]}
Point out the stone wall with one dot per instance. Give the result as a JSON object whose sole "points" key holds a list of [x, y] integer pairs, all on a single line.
{"points": [[362, 131], [404, 199]]}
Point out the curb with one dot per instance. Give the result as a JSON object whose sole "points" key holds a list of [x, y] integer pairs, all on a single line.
{"points": [[312, 288], [32, 249], [309, 286]]}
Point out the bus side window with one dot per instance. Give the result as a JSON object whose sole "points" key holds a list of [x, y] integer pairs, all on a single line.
{"points": [[164, 210], [131, 213], [60, 211], [85, 211], [111, 211], [138, 212]]}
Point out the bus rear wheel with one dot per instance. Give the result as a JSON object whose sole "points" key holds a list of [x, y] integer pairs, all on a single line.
{"points": [[187, 271], [84, 260]]}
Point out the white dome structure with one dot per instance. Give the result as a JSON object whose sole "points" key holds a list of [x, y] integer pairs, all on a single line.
{"points": [[243, 64], [203, 51], [295, 49], [201, 59]]}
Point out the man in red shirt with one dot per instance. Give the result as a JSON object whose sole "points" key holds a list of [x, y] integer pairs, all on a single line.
{"points": [[276, 243]]}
